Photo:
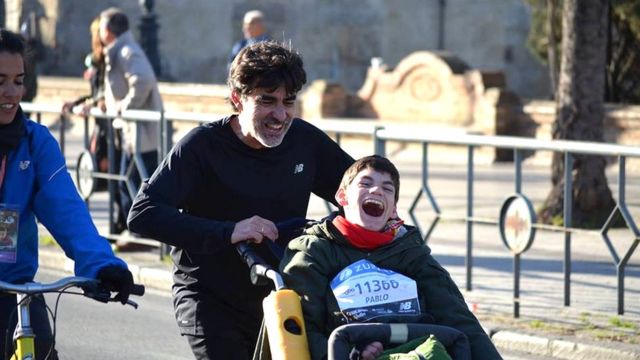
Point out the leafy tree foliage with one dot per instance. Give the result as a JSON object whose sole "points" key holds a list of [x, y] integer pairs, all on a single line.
{"points": [[623, 53]]}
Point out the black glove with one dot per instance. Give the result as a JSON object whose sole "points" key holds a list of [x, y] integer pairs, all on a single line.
{"points": [[117, 278]]}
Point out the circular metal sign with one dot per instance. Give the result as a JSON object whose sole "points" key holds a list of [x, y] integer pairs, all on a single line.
{"points": [[516, 223], [84, 174]]}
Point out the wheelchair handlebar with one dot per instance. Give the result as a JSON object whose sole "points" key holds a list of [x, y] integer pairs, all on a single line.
{"points": [[258, 268]]}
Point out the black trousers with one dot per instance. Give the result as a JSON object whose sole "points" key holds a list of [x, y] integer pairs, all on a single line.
{"points": [[39, 323], [228, 334], [220, 347], [150, 162]]}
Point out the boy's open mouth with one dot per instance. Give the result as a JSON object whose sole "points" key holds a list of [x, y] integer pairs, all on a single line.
{"points": [[373, 207]]}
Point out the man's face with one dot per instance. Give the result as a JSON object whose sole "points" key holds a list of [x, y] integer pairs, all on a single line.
{"points": [[264, 117], [369, 200], [11, 85], [253, 29]]}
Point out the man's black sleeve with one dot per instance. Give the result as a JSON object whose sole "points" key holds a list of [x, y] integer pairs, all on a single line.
{"points": [[156, 209]]}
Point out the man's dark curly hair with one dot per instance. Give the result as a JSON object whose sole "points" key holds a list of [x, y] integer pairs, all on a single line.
{"points": [[266, 65]]}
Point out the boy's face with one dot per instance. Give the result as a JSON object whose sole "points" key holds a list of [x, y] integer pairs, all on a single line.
{"points": [[369, 200]]}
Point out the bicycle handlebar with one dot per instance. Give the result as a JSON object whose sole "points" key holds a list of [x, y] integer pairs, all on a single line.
{"points": [[32, 288], [137, 289], [91, 288]]}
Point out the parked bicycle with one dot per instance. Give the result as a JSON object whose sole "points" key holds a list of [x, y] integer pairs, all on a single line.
{"points": [[22, 347]]}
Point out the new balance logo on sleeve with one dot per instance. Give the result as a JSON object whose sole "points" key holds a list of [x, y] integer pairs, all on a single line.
{"points": [[298, 169]]}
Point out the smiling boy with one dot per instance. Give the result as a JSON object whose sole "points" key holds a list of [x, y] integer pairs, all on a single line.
{"points": [[369, 267]]}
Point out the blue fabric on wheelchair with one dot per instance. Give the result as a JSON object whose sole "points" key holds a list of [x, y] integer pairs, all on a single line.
{"points": [[287, 230]]}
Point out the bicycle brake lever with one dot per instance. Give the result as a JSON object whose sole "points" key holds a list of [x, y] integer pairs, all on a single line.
{"points": [[132, 303]]}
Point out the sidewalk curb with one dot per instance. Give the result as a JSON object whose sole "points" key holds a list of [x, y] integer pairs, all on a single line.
{"points": [[559, 348], [153, 278], [505, 340]]}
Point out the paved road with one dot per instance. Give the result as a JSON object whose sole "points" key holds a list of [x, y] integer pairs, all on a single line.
{"points": [[87, 329], [90, 330]]}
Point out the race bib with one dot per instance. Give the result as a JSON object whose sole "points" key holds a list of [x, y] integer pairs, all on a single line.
{"points": [[8, 234], [365, 291]]}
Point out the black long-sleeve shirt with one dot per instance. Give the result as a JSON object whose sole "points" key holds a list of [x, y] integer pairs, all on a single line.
{"points": [[208, 182]]}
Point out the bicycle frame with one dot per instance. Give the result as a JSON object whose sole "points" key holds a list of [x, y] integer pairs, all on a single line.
{"points": [[24, 335], [24, 348]]}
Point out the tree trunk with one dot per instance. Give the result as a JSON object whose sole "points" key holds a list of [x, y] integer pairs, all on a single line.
{"points": [[580, 114], [552, 53]]}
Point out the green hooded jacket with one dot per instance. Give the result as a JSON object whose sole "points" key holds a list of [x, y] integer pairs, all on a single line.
{"points": [[312, 260]]}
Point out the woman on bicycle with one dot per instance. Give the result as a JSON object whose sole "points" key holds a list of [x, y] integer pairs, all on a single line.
{"points": [[35, 183]]}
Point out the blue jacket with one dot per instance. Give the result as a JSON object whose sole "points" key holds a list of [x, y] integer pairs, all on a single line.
{"points": [[241, 44], [38, 185]]}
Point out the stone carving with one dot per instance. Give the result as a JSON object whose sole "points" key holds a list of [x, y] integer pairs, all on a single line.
{"points": [[425, 86]]}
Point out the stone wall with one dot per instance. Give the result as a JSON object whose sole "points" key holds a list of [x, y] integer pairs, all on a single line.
{"points": [[621, 123], [425, 86], [201, 98], [503, 112], [336, 38]]}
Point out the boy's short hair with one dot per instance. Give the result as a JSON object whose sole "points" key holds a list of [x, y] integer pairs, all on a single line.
{"points": [[267, 65], [374, 162]]}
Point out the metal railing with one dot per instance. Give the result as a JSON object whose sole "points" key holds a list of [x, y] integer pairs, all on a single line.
{"points": [[519, 145], [380, 135]]}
